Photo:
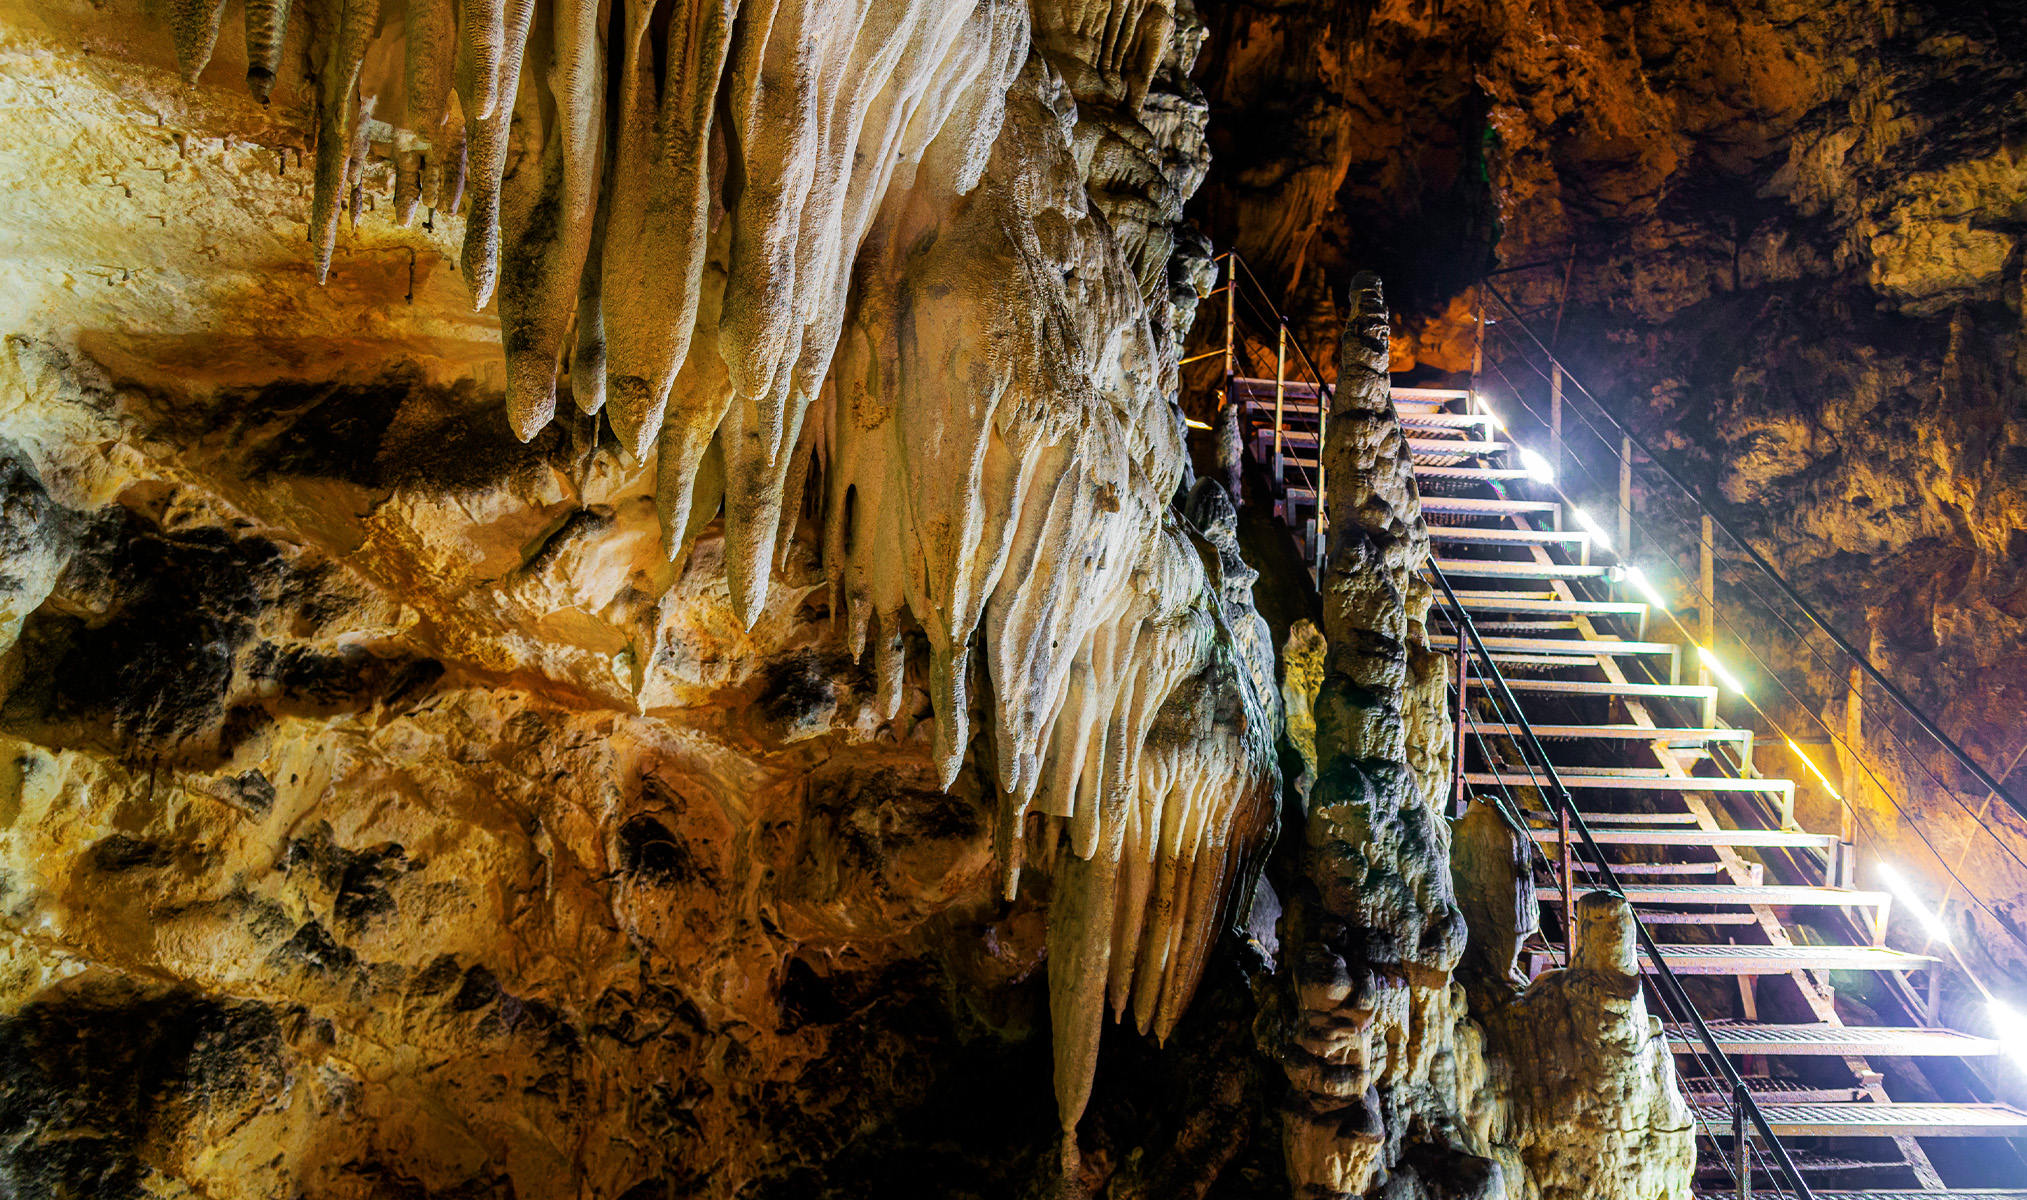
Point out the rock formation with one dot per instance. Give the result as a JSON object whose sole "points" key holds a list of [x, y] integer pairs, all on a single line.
{"points": [[608, 600]]}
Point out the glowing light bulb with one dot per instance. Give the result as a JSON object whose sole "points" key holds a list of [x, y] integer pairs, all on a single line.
{"points": [[1905, 894], [1717, 668], [1193, 423], [1536, 466], [1814, 769], [1638, 579], [1591, 527], [2009, 1031]]}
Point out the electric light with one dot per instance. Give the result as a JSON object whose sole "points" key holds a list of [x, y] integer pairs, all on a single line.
{"points": [[1905, 894], [1536, 466], [1717, 668], [1591, 527], [2009, 1031], [1814, 769], [1193, 423], [1638, 579]]}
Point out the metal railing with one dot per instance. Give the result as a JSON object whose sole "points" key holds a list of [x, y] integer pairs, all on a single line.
{"points": [[1857, 658], [1252, 308], [1631, 448], [1774, 1161]]}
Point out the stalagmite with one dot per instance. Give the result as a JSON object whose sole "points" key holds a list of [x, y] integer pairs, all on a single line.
{"points": [[267, 28]]}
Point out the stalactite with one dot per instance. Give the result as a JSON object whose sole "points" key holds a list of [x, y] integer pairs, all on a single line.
{"points": [[338, 81], [428, 78], [546, 206], [267, 27], [195, 25]]}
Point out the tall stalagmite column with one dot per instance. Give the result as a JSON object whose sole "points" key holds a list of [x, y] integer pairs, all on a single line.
{"points": [[1363, 1014]]}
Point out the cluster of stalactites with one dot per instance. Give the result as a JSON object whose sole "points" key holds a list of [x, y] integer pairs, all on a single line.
{"points": [[997, 467], [845, 247]]}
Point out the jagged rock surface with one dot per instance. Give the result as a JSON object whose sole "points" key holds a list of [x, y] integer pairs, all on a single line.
{"points": [[761, 774]]}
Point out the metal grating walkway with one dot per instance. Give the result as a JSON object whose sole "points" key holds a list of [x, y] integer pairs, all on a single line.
{"points": [[1837, 1040], [1885, 1120]]}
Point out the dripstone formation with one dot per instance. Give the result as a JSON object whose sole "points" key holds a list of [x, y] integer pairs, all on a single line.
{"points": [[608, 600]]}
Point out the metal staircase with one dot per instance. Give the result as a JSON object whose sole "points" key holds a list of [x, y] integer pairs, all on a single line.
{"points": [[1709, 848], [1651, 767]]}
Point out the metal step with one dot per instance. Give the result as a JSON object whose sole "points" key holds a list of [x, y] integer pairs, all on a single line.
{"points": [[1246, 386], [1446, 420], [1488, 569], [1767, 1189], [1471, 474], [1686, 820], [1576, 648], [1595, 687], [1884, 1120], [1773, 895], [1466, 506], [1451, 449], [1779, 960], [1647, 783], [1401, 394], [1835, 1041], [1521, 602], [1763, 838], [1628, 733]]}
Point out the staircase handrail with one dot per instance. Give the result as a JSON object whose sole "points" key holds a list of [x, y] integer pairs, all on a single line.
{"points": [[1745, 1107], [1857, 657]]}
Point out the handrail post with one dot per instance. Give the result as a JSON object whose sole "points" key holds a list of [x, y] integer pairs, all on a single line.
{"points": [[1231, 320], [1555, 418], [1478, 351], [1625, 499], [1569, 912], [1706, 619], [1740, 1150], [1280, 395], [1463, 668], [1322, 502]]}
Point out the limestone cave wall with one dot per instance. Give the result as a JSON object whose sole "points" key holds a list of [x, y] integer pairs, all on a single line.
{"points": [[607, 600]]}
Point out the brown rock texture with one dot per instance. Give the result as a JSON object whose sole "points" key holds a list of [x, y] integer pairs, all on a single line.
{"points": [[606, 600], [1784, 242]]}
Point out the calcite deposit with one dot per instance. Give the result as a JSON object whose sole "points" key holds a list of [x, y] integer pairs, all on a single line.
{"points": [[609, 600]]}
